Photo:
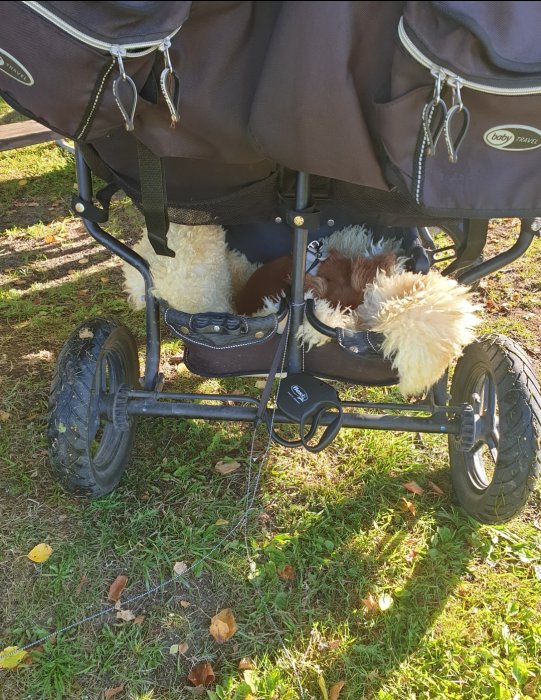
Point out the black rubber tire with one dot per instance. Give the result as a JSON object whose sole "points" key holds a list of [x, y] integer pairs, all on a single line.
{"points": [[499, 371], [88, 454]]}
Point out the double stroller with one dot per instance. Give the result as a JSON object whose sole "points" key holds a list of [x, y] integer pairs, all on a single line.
{"points": [[283, 122]]}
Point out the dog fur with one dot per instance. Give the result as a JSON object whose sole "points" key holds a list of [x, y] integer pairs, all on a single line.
{"points": [[203, 276], [426, 320]]}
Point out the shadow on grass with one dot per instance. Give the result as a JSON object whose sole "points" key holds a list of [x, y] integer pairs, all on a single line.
{"points": [[336, 566]]}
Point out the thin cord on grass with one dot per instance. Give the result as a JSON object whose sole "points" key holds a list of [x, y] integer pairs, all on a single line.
{"points": [[250, 497]]}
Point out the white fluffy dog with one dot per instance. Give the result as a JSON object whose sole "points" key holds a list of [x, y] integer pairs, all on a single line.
{"points": [[426, 320]]}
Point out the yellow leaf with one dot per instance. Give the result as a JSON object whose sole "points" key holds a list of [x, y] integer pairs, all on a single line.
{"points": [[407, 505], [335, 690], [173, 649], [221, 522], [4, 416], [225, 468], [40, 553], [223, 626], [322, 687], [12, 661], [50, 239]]}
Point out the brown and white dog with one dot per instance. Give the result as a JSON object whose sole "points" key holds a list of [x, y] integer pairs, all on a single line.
{"points": [[426, 320], [339, 279]]}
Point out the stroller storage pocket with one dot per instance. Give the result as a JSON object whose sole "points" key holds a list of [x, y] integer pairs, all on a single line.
{"points": [[461, 131], [80, 66]]}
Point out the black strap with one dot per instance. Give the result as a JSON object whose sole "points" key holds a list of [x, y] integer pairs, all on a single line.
{"points": [[154, 199], [315, 413], [278, 356]]}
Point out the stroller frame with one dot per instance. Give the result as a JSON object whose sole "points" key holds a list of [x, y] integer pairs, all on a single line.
{"points": [[151, 401], [119, 403]]}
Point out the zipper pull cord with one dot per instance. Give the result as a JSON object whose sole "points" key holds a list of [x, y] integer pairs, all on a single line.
{"points": [[127, 113], [460, 108], [170, 84], [435, 109]]}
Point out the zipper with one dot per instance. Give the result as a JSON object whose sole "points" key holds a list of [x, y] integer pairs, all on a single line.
{"points": [[128, 102], [132, 50], [451, 77], [437, 117]]}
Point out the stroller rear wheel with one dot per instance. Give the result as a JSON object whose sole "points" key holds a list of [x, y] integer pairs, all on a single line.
{"points": [[88, 452], [492, 481]]}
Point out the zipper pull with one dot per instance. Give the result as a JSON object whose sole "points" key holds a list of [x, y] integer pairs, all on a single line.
{"points": [[457, 107], [170, 84], [123, 79], [434, 114]]}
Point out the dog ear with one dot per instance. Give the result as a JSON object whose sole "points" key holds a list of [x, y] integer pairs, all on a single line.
{"points": [[317, 284]]}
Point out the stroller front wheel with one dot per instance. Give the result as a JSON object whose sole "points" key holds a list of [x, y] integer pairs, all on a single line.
{"points": [[492, 481], [87, 451]]}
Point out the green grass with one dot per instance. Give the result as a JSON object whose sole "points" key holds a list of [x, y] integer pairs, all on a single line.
{"points": [[465, 621]]}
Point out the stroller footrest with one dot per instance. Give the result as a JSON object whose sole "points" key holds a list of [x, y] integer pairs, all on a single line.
{"points": [[220, 330], [361, 344]]}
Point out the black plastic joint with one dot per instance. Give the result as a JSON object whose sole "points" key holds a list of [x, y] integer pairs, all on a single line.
{"points": [[86, 210], [307, 218]]}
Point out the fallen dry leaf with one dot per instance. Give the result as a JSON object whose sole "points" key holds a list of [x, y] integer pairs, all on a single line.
{"points": [[138, 619], [50, 239], [112, 692], [173, 649], [86, 333], [223, 625], [116, 588], [414, 487], [370, 604], [4, 416], [202, 674], [184, 604], [11, 661], [183, 648], [261, 384], [335, 690], [408, 506], [180, 568], [125, 615], [225, 468], [82, 583], [287, 573], [221, 522], [410, 556], [40, 553], [435, 489], [246, 664]]}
